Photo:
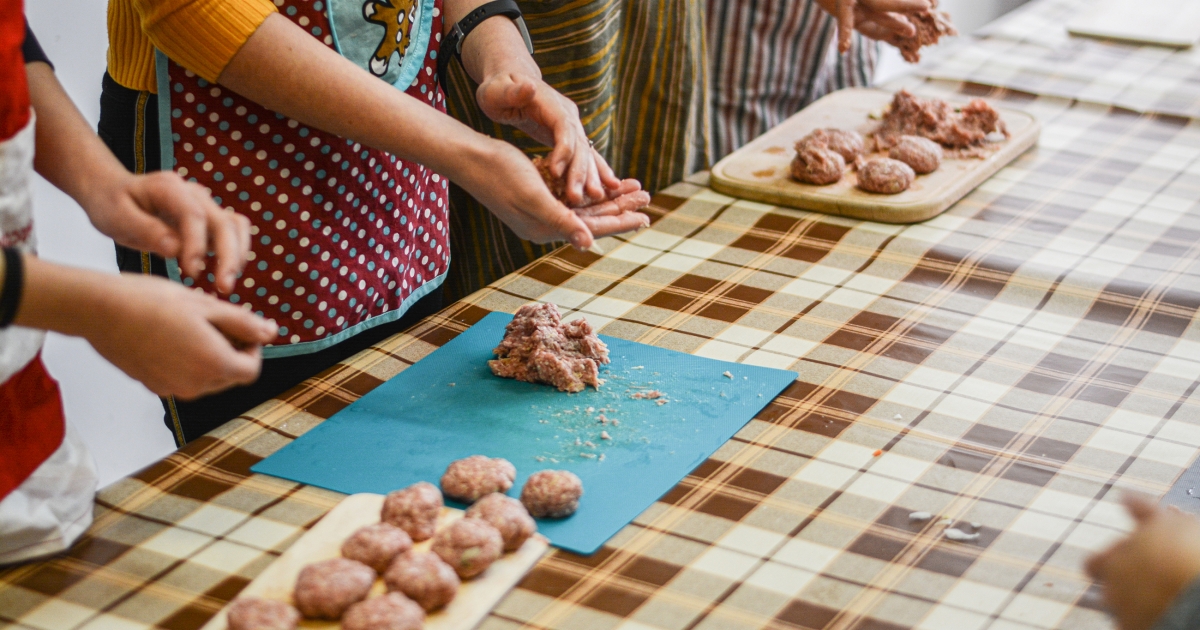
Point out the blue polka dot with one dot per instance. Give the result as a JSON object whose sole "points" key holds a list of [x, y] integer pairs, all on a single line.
{"points": [[200, 131], [246, 170], [308, 323], [235, 298], [299, 157], [338, 214], [336, 263], [252, 118], [316, 30], [282, 331], [304, 132], [287, 284], [265, 240], [277, 139], [199, 157], [271, 189], [353, 275], [325, 149], [224, 126], [371, 266], [294, 207], [289, 259], [296, 182], [273, 164], [223, 150], [201, 108], [316, 223], [312, 298], [217, 200], [175, 113], [313, 275], [319, 198], [227, 102], [175, 137], [285, 308], [178, 88], [248, 145], [291, 10], [293, 233], [333, 312], [244, 196], [318, 5], [433, 54], [261, 291], [202, 83], [262, 265], [188, 282], [268, 215]]}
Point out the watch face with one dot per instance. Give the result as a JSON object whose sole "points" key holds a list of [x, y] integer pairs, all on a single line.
{"points": [[388, 38]]}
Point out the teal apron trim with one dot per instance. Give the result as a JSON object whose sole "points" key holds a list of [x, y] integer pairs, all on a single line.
{"points": [[167, 152], [166, 142], [308, 347], [357, 39]]}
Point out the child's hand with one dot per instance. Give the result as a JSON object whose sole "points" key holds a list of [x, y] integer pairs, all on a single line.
{"points": [[539, 110], [161, 213], [1143, 573]]}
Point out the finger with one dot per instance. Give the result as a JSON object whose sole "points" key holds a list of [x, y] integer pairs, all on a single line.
{"points": [[577, 172], [593, 187], [627, 222], [624, 187], [898, 6], [185, 207], [1140, 506], [556, 222], [892, 23], [608, 178], [845, 23], [223, 229], [628, 202], [145, 232], [1095, 563], [240, 326]]}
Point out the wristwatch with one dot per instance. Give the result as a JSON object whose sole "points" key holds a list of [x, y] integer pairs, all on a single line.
{"points": [[452, 44]]}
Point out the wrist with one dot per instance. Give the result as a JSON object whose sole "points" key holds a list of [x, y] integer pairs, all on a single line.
{"points": [[495, 46]]}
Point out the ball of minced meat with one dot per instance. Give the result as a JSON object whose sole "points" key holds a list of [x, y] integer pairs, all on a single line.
{"points": [[817, 164], [469, 479], [414, 509], [844, 142], [885, 176], [392, 611], [469, 546], [326, 589], [255, 613], [922, 154], [423, 577], [376, 545], [508, 516], [552, 493]]}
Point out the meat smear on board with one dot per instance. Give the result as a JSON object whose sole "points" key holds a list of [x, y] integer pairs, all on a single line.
{"points": [[539, 348], [963, 131]]}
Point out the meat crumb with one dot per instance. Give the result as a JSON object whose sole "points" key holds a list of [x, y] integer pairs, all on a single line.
{"points": [[646, 395], [605, 436], [661, 401], [539, 348], [727, 374]]}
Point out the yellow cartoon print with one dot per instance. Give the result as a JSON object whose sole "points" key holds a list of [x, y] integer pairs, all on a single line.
{"points": [[396, 17]]}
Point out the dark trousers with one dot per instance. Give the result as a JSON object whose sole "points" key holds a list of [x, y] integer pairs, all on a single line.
{"points": [[129, 126]]}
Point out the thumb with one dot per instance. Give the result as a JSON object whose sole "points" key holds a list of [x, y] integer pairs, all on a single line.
{"points": [[240, 326], [1140, 506], [569, 225]]}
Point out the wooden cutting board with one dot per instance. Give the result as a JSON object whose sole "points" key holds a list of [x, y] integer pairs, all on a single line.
{"points": [[759, 170], [1170, 23], [475, 597]]}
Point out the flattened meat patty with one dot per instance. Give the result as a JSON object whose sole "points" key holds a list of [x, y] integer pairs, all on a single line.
{"points": [[472, 477], [376, 545], [414, 509], [552, 493], [424, 577], [326, 589], [817, 165], [845, 142], [255, 613], [922, 154], [885, 176]]}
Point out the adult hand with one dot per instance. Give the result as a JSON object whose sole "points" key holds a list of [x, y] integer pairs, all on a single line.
{"points": [[877, 19], [521, 200], [177, 341], [162, 213], [1143, 573], [531, 105]]}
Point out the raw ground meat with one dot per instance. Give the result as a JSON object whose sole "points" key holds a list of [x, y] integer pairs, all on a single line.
{"points": [[472, 477], [557, 185], [414, 509], [469, 546], [846, 143], [392, 611], [424, 577], [508, 516], [885, 176], [552, 493], [326, 589], [931, 26], [964, 131], [376, 545], [922, 154], [255, 613], [628, 197], [817, 165], [539, 348]]}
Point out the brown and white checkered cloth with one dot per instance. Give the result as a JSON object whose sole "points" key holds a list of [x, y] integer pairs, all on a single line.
{"points": [[975, 392]]}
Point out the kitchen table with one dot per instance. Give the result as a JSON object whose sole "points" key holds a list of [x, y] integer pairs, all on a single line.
{"points": [[1008, 368]]}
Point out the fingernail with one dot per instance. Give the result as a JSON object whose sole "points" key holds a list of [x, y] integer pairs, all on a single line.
{"points": [[578, 240]]}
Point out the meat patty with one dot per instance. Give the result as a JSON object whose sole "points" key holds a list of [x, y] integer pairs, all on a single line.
{"points": [[937, 120], [424, 577], [885, 176], [552, 493], [845, 142], [539, 348], [326, 589], [817, 165], [922, 154], [376, 545], [508, 516], [469, 546], [392, 611], [472, 477], [414, 509], [255, 613]]}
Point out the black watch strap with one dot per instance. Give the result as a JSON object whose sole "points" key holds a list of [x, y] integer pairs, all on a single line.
{"points": [[452, 43]]}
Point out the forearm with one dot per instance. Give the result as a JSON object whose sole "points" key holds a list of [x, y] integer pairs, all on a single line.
{"points": [[494, 46], [284, 69], [69, 154], [62, 299]]}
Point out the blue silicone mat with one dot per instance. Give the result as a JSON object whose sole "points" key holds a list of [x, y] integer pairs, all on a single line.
{"points": [[449, 405]]}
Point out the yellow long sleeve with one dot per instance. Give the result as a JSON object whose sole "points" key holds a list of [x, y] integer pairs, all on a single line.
{"points": [[200, 35]]}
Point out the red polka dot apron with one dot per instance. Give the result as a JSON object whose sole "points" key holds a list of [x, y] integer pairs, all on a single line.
{"points": [[344, 237]]}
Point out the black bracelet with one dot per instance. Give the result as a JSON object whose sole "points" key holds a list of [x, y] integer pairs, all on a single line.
{"points": [[14, 284], [452, 43]]}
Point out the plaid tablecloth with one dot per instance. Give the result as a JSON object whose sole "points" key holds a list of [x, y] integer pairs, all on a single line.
{"points": [[1007, 368]]}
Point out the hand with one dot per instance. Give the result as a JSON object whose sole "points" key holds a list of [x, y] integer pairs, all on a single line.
{"points": [[1143, 573], [162, 213], [877, 19], [506, 182], [177, 341], [531, 105]]}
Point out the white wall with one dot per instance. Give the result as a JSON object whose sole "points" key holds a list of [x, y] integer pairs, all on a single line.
{"points": [[120, 420]]}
